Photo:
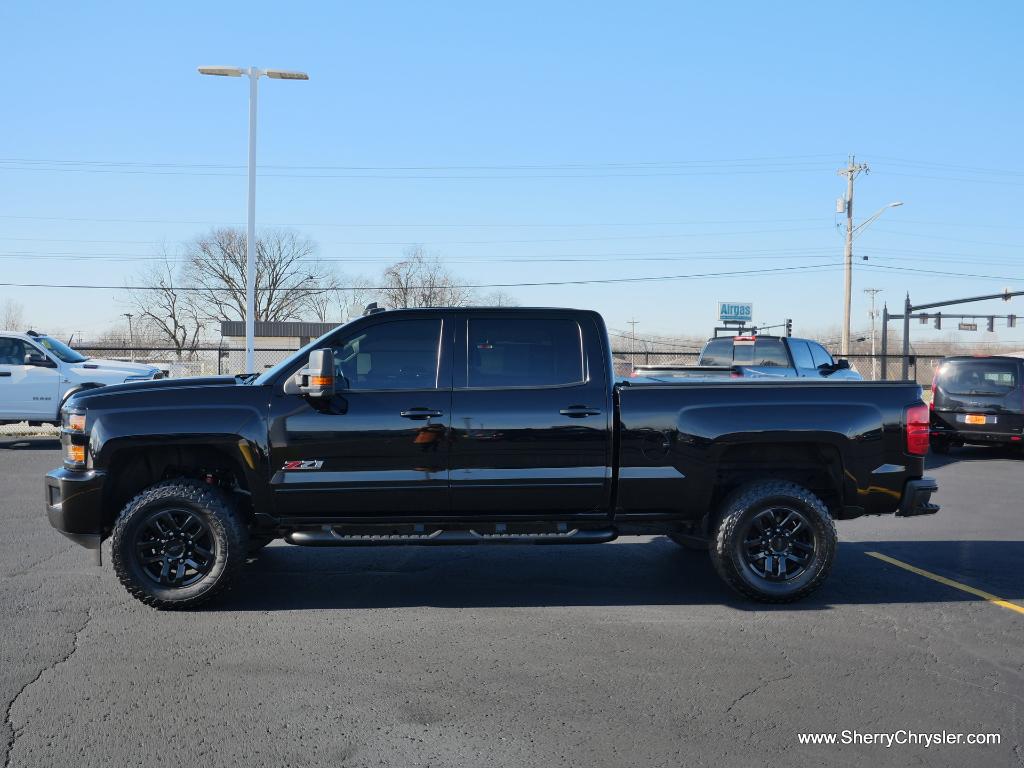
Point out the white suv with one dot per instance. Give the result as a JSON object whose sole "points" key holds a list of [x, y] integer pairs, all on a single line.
{"points": [[38, 373]]}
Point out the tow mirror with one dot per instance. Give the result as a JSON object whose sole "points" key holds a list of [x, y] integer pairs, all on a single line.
{"points": [[842, 364], [318, 375]]}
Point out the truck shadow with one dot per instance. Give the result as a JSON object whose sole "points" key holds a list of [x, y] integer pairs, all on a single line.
{"points": [[31, 444], [642, 572]]}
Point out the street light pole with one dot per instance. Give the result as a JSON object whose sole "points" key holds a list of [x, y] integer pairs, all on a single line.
{"points": [[250, 232], [254, 74], [131, 341], [851, 171]]}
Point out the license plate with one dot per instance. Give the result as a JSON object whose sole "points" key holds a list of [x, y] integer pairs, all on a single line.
{"points": [[974, 418]]}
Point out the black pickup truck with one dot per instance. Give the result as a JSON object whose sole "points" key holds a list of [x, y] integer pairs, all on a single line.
{"points": [[478, 426]]}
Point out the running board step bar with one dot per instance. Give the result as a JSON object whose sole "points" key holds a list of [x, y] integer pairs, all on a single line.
{"points": [[329, 536]]}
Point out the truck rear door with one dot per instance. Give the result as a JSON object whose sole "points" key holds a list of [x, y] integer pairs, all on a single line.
{"points": [[531, 415]]}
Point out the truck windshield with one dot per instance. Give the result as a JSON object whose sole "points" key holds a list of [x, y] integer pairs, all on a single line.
{"points": [[271, 373], [978, 377], [60, 350]]}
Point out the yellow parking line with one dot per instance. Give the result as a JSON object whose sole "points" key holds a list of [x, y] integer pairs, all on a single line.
{"points": [[948, 582]]}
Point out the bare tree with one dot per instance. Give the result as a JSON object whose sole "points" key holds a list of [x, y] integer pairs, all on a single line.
{"points": [[289, 281], [166, 311], [421, 280], [12, 316], [498, 299]]}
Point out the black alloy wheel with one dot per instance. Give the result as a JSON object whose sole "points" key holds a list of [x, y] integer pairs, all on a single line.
{"points": [[175, 547], [777, 544]]}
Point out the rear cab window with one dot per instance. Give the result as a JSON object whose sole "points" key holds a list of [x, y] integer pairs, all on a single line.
{"points": [[756, 352]]}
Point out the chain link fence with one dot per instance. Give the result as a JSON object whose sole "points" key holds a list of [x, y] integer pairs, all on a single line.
{"points": [[227, 361], [871, 367]]}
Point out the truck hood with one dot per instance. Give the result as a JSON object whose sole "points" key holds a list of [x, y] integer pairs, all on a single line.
{"points": [[155, 388], [110, 368]]}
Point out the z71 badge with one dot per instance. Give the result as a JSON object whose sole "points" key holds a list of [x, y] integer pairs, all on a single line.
{"points": [[304, 464]]}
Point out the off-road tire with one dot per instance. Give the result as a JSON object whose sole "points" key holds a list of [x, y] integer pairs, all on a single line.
{"points": [[228, 535], [736, 520]]}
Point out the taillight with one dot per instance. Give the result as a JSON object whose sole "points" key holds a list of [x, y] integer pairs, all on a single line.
{"points": [[916, 426], [935, 378]]}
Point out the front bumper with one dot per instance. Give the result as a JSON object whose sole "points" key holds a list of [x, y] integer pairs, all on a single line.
{"points": [[74, 505], [917, 498]]}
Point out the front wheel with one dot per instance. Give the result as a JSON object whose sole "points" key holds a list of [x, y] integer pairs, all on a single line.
{"points": [[178, 544], [775, 542]]}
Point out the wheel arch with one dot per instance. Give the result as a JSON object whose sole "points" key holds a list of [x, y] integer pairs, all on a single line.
{"points": [[134, 465], [814, 465]]}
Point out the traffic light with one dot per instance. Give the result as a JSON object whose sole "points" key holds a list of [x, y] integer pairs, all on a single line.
{"points": [[938, 321], [1011, 321], [991, 324], [789, 327]]}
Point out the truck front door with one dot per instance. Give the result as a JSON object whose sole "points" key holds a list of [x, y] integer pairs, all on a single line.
{"points": [[380, 447], [27, 391], [531, 416]]}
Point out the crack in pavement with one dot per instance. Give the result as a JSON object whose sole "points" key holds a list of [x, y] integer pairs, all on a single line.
{"points": [[764, 684], [15, 733]]}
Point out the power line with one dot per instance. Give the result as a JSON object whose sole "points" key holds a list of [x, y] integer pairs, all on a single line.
{"points": [[591, 281]]}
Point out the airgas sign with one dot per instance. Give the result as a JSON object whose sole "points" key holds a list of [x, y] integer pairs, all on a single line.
{"points": [[735, 311]]}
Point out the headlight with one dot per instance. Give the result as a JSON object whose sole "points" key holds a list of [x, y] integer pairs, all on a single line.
{"points": [[74, 439]]}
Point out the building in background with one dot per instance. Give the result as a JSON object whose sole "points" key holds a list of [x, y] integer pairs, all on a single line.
{"points": [[274, 342]]}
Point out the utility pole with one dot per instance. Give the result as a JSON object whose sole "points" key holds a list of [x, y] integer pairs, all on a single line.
{"points": [[851, 171], [632, 343], [872, 292]]}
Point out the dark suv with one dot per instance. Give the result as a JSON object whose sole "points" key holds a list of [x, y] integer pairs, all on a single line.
{"points": [[977, 400]]}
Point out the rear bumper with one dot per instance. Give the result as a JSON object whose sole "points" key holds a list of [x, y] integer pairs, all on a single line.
{"points": [[976, 436], [917, 498], [73, 505]]}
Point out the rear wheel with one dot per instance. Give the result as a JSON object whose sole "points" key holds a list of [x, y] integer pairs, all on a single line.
{"points": [[178, 544], [775, 542]]}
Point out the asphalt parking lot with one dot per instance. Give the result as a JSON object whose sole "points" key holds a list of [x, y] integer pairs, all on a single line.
{"points": [[625, 654]]}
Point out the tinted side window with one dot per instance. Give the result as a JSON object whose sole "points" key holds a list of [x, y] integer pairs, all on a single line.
{"points": [[717, 352], [821, 357], [12, 351], [770, 353], [402, 354], [801, 354], [505, 352]]}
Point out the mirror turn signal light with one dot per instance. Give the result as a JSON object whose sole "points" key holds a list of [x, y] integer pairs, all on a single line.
{"points": [[321, 381]]}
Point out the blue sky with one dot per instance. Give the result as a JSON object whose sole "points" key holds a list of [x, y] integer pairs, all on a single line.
{"points": [[525, 142]]}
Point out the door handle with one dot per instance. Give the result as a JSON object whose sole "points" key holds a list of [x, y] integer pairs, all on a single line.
{"points": [[420, 414], [5, 373], [580, 411]]}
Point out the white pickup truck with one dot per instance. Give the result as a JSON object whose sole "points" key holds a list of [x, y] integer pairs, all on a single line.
{"points": [[38, 373]]}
